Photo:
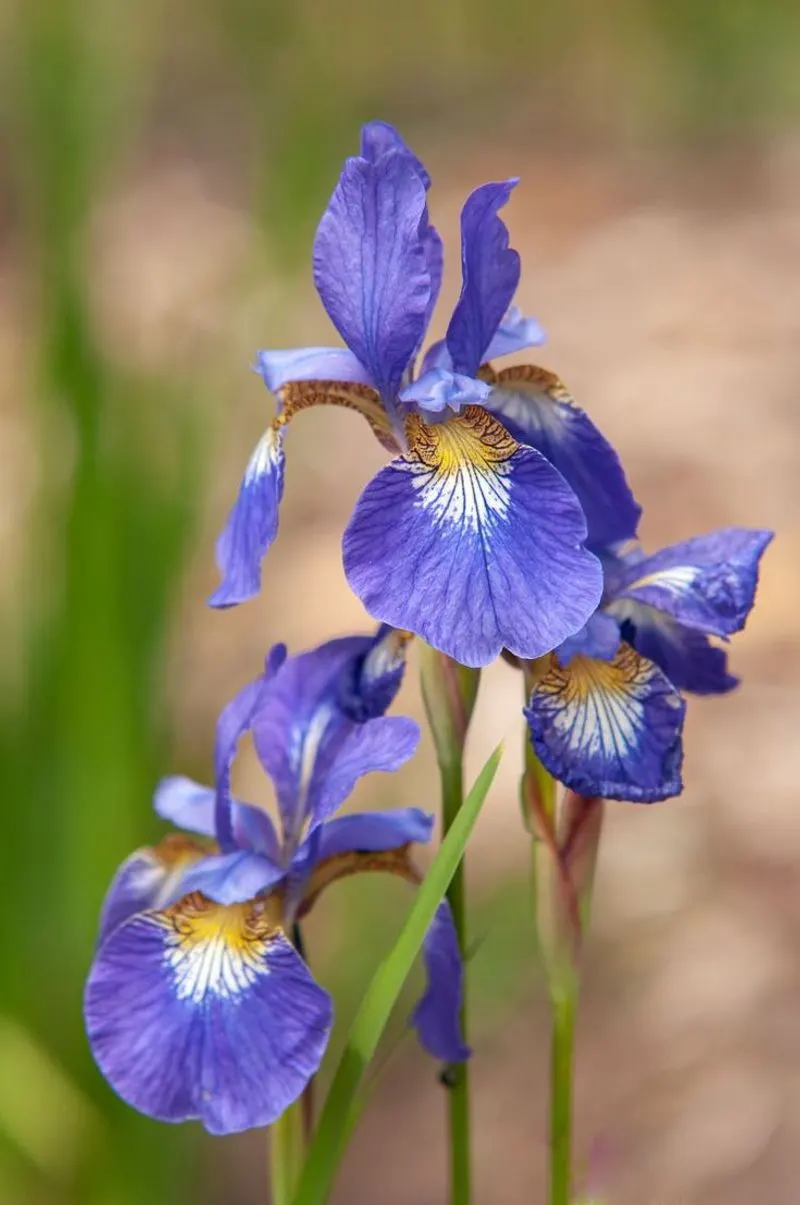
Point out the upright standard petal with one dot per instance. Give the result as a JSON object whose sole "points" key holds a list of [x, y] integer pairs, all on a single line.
{"points": [[371, 265], [436, 1016], [252, 524], [708, 583], [379, 138], [473, 543], [295, 716], [535, 407], [188, 805], [206, 1012], [609, 728], [150, 878], [490, 275], [687, 657]]}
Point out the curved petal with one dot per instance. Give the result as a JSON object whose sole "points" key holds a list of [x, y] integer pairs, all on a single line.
{"points": [[378, 138], [599, 638], [149, 878], [278, 368], [371, 265], [609, 728], [353, 750], [186, 804], [515, 333], [368, 686], [294, 716], [536, 408], [373, 831], [232, 878], [490, 275], [438, 389], [708, 583], [687, 656], [436, 1016], [472, 542], [252, 523], [205, 1012]]}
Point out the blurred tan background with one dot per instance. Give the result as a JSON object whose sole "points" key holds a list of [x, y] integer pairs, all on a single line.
{"points": [[163, 170]]}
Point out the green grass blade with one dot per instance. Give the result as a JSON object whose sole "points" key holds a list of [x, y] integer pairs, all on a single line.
{"points": [[336, 1121]]}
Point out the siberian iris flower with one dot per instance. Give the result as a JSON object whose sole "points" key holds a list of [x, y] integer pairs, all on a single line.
{"points": [[472, 535], [198, 1005], [606, 715]]}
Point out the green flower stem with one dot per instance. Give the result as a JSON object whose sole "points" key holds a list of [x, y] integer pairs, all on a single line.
{"points": [[449, 691], [287, 1150], [564, 1004], [457, 1075]]}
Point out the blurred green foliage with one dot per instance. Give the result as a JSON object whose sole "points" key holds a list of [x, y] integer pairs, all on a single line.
{"points": [[276, 90]]}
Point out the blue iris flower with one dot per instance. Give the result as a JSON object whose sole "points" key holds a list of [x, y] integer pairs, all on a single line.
{"points": [[197, 1004], [606, 718], [472, 536]]}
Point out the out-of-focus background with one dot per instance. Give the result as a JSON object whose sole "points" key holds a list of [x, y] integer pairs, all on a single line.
{"points": [[163, 168]]}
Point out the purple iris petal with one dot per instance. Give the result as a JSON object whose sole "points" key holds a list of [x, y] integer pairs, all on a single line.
{"points": [[373, 831], [611, 729], [371, 265], [309, 364], [599, 638], [476, 547], [534, 407], [252, 524], [687, 656], [351, 751], [515, 333], [295, 712], [368, 686], [230, 878], [378, 138], [437, 356], [435, 1017], [490, 275], [205, 1012], [438, 389], [186, 804], [708, 582]]}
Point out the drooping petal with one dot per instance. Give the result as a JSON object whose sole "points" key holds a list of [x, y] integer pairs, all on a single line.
{"points": [[205, 1012], [516, 332], [303, 395], [252, 523], [149, 878], [371, 265], [473, 543], [438, 390], [708, 582], [599, 638], [436, 1016], [490, 275], [687, 657], [278, 368], [369, 684], [535, 407], [609, 728]]}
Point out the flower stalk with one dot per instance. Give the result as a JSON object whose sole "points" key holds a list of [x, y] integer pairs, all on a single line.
{"points": [[449, 691], [565, 833], [287, 1151]]}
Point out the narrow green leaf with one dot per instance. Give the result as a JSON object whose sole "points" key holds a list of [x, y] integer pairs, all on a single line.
{"points": [[337, 1120]]}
